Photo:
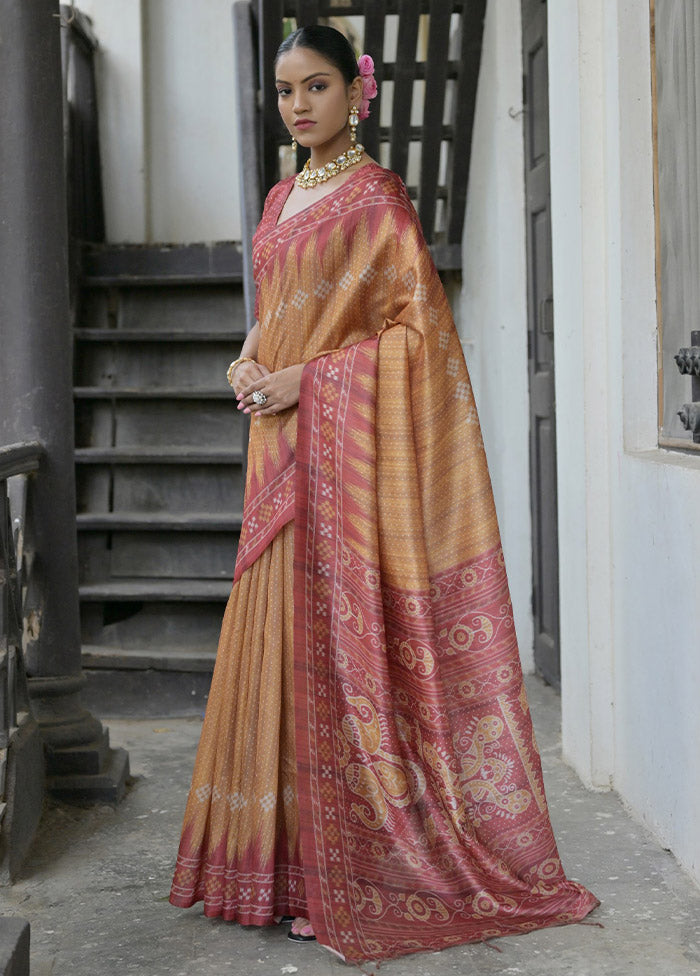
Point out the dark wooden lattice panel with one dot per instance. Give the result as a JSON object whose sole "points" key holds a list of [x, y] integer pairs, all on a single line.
{"points": [[438, 48]]}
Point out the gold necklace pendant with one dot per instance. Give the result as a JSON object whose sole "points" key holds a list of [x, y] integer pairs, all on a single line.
{"points": [[309, 178]]}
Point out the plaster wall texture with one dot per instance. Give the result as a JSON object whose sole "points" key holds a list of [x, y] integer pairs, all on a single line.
{"points": [[630, 572], [167, 126], [119, 69], [190, 112], [493, 307]]}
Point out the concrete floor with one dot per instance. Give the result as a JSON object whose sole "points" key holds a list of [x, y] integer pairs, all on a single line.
{"points": [[95, 889]]}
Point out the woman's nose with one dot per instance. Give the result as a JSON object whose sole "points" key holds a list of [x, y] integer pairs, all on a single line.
{"points": [[300, 104]]}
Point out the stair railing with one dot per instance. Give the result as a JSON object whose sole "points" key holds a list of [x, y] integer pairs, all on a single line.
{"points": [[18, 464], [81, 132]]}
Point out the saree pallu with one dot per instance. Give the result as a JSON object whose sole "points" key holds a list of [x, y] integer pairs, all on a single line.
{"points": [[421, 808]]}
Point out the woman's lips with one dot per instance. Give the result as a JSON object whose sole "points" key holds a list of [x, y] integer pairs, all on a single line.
{"points": [[304, 124]]}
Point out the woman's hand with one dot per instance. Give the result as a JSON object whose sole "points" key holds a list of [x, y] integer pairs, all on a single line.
{"points": [[247, 374], [280, 388]]}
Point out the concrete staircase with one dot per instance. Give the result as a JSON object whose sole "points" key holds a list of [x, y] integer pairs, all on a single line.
{"points": [[159, 466]]}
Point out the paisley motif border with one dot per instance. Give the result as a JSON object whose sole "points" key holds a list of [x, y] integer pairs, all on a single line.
{"points": [[422, 807]]}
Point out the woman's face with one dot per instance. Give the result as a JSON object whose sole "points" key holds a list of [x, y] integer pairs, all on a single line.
{"points": [[314, 100]]}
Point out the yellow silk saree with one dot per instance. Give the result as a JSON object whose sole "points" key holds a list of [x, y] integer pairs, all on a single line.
{"points": [[408, 809]]}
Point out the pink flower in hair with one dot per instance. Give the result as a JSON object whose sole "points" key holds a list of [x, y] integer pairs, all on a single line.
{"points": [[366, 65], [369, 87], [369, 84]]}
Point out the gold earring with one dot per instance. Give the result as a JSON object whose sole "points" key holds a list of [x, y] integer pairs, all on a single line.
{"points": [[294, 144], [354, 121]]}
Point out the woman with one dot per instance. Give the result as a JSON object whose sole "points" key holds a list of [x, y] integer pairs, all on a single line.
{"points": [[367, 761]]}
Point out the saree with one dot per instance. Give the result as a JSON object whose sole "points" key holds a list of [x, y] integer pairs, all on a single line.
{"points": [[421, 818]]}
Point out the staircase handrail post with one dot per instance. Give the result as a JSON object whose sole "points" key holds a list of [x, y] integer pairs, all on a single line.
{"points": [[22, 781], [36, 399]]}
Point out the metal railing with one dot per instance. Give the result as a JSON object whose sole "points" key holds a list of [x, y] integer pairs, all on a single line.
{"points": [[18, 462]]}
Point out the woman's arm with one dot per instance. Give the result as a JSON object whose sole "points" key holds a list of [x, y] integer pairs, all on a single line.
{"points": [[252, 341], [249, 371]]}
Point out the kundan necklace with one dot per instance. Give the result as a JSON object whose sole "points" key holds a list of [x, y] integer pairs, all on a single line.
{"points": [[309, 178]]}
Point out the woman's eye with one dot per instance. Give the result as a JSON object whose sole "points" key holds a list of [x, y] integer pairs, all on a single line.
{"points": [[283, 91], [318, 86]]}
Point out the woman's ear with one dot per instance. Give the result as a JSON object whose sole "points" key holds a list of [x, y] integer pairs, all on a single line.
{"points": [[355, 91]]}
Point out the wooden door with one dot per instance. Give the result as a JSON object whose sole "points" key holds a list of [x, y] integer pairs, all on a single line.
{"points": [[543, 469]]}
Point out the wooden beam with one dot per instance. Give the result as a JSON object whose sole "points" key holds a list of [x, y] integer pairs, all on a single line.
{"points": [[434, 106], [463, 116], [404, 74], [356, 8], [307, 12], [375, 19]]}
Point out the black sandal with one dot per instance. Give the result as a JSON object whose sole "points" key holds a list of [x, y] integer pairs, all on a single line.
{"points": [[299, 936]]}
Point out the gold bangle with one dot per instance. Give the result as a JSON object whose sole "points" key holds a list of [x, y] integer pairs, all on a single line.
{"points": [[232, 367]]}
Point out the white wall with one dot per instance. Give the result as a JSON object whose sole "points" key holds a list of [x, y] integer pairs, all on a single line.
{"points": [[493, 312], [119, 69], [190, 121], [630, 569], [167, 123]]}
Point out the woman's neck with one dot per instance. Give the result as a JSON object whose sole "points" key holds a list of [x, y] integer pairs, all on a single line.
{"points": [[330, 151]]}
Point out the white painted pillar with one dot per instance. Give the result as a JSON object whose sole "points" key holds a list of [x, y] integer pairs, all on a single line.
{"points": [[578, 95], [493, 307]]}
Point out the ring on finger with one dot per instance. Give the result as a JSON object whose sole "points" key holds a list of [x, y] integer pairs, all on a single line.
{"points": [[259, 398]]}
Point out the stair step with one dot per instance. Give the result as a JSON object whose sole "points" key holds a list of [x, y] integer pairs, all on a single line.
{"points": [[151, 590], [148, 692], [158, 335], [160, 521], [159, 466], [142, 659], [155, 455], [152, 393], [147, 280], [144, 265]]}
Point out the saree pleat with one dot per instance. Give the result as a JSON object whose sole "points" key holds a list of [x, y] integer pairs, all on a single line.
{"points": [[239, 851]]}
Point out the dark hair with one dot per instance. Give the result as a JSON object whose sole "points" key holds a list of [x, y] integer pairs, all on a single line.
{"points": [[329, 43]]}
